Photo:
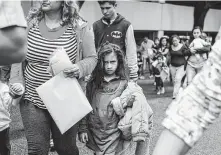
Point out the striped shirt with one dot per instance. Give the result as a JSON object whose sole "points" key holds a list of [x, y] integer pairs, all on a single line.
{"points": [[39, 50]]}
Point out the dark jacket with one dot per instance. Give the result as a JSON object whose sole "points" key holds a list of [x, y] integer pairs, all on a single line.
{"points": [[114, 33], [177, 58]]}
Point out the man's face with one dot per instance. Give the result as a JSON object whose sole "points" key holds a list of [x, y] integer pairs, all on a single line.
{"points": [[108, 10], [145, 40]]}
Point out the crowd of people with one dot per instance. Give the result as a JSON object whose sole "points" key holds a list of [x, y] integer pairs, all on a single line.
{"points": [[173, 58], [107, 64]]}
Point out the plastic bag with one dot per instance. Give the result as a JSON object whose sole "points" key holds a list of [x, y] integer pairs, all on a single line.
{"points": [[58, 61]]}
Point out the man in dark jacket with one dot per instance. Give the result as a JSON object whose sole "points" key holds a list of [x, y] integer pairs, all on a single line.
{"points": [[114, 28]]}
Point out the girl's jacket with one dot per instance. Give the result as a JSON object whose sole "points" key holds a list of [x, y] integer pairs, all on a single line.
{"points": [[136, 114]]}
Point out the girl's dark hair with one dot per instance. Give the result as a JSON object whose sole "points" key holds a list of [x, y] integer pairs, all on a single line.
{"points": [[112, 2], [197, 27], [156, 38], [105, 49], [161, 39]]}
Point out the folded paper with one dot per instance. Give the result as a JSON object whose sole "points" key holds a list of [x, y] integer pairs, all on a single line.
{"points": [[64, 100]]}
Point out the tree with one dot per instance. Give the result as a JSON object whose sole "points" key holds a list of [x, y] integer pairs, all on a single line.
{"points": [[80, 3]]}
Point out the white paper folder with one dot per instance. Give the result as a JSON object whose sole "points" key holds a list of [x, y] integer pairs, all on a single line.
{"points": [[64, 100]]}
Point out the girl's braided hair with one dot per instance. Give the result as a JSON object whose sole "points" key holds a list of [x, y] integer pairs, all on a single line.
{"points": [[99, 72]]}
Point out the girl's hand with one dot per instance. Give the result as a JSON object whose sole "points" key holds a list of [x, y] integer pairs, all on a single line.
{"points": [[16, 88], [83, 137], [72, 72]]}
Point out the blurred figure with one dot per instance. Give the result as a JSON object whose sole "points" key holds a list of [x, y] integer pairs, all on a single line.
{"points": [[12, 32], [147, 52]]}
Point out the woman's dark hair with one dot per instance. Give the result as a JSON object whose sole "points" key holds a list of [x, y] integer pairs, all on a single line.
{"points": [[161, 39], [197, 27], [105, 49], [112, 2], [174, 36]]}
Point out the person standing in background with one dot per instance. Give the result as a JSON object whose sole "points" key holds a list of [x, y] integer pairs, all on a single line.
{"points": [[114, 28], [147, 52]]}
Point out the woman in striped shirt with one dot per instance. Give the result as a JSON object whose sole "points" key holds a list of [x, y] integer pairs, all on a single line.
{"points": [[54, 24]]}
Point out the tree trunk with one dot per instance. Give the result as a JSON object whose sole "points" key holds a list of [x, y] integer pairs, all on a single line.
{"points": [[80, 3], [200, 10]]}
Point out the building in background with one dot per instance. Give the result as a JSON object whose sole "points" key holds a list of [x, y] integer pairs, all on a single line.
{"points": [[153, 19]]}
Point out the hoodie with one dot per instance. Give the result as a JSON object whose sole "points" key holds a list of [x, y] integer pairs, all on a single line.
{"points": [[119, 32]]}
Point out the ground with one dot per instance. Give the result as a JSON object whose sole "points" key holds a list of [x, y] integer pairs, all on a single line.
{"points": [[208, 145]]}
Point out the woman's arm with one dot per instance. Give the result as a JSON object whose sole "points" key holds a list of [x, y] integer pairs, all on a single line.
{"points": [[165, 51], [205, 49], [170, 144], [89, 55], [198, 106], [12, 33]]}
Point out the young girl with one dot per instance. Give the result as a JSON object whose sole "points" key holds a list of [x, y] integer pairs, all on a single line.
{"points": [[8, 97], [100, 128], [160, 65]]}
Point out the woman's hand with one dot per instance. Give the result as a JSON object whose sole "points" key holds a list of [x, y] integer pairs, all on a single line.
{"points": [[72, 72], [83, 137]]}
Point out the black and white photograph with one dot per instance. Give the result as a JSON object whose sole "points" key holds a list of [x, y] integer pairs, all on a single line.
{"points": [[110, 77]]}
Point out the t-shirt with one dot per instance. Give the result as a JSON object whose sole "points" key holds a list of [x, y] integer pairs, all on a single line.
{"points": [[145, 46]]}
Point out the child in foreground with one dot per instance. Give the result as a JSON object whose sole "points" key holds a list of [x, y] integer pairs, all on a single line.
{"points": [[110, 95], [8, 96]]}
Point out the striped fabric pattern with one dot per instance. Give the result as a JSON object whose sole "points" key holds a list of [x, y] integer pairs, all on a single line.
{"points": [[38, 53]]}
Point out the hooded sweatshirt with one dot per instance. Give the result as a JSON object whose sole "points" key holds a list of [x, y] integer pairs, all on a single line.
{"points": [[119, 32]]}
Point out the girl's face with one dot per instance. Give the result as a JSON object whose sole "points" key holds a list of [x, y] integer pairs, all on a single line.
{"points": [[160, 60], [164, 42], [51, 5], [196, 33], [175, 41], [110, 63], [157, 42]]}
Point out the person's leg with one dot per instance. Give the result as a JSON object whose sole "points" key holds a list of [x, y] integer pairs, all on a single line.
{"points": [[173, 74], [177, 81], [150, 67], [37, 123], [157, 78], [65, 144], [162, 89], [4, 142], [190, 73]]}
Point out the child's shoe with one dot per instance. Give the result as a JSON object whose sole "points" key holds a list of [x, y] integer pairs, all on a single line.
{"points": [[142, 77], [158, 92], [162, 90]]}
